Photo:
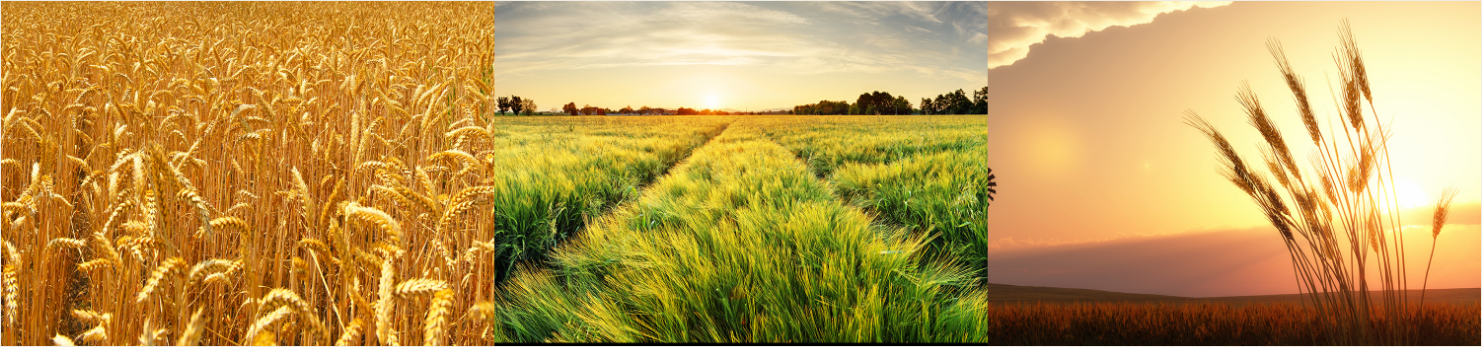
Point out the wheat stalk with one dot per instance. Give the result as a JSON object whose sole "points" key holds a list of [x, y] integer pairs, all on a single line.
{"points": [[386, 304], [192, 333], [255, 332], [125, 143], [1438, 220], [374, 216], [436, 324], [1337, 283], [419, 286], [170, 265], [466, 199], [351, 333]]}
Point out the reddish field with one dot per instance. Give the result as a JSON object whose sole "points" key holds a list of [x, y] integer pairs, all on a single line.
{"points": [[1202, 324]]}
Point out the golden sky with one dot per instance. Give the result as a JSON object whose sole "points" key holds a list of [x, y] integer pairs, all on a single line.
{"points": [[1086, 130], [739, 55]]}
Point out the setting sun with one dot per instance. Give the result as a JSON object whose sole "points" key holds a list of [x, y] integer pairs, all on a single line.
{"points": [[711, 101], [1105, 180], [1410, 194]]}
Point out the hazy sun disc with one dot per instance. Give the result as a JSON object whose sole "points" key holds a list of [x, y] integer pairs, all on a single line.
{"points": [[711, 101], [1410, 194]]}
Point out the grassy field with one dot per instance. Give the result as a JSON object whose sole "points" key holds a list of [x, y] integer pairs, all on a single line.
{"points": [[247, 173], [741, 241], [927, 174], [556, 173]]}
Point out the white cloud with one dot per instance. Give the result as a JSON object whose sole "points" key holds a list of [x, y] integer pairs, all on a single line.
{"points": [[801, 38], [728, 11], [1015, 26]]}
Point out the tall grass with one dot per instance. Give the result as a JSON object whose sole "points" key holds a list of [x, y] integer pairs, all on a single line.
{"points": [[927, 174], [945, 195], [830, 143], [235, 173], [741, 243], [558, 173], [1341, 214]]}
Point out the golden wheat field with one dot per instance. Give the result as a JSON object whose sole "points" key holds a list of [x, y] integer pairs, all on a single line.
{"points": [[247, 173]]}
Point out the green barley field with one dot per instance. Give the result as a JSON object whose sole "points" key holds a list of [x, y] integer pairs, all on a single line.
{"points": [[741, 229]]}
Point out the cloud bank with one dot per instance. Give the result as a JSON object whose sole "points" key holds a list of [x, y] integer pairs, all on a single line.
{"points": [[1014, 26], [1219, 263], [1462, 214]]}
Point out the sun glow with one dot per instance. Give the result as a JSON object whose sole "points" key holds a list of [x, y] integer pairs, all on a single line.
{"points": [[711, 101], [1409, 194]]}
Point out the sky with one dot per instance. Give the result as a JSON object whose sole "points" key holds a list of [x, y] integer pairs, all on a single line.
{"points": [[1090, 150], [736, 55]]}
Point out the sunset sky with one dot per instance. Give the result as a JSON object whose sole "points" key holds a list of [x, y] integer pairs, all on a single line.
{"points": [[756, 55], [1091, 152]]}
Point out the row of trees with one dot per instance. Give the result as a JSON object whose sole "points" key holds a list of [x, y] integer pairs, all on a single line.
{"points": [[517, 104], [589, 110], [874, 103], [957, 103], [881, 103], [823, 107]]}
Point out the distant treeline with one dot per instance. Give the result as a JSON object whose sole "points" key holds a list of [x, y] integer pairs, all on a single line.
{"points": [[527, 107], [882, 103], [874, 103], [516, 104]]}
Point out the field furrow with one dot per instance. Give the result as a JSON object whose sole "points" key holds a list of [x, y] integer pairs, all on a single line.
{"points": [[740, 243], [556, 174], [926, 174]]}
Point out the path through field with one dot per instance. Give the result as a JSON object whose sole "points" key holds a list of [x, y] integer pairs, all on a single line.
{"points": [[557, 173], [742, 241]]}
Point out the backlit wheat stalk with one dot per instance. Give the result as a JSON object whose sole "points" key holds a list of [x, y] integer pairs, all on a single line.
{"points": [[1332, 219]]}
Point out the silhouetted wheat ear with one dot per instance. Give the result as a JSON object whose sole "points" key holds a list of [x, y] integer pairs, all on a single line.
{"points": [[1443, 207], [1348, 203], [1360, 75], [1350, 91], [1299, 89], [1263, 123]]}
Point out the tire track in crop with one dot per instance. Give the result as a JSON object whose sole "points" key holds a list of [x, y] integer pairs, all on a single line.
{"points": [[906, 212], [540, 256], [740, 243], [689, 153]]}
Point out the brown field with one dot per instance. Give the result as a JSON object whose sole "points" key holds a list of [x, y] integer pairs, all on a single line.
{"points": [[1026, 315], [1204, 323], [247, 173], [1004, 293]]}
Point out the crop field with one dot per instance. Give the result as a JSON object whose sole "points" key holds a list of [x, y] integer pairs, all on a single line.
{"points": [[741, 239], [247, 173], [557, 173], [1192, 324], [929, 175]]}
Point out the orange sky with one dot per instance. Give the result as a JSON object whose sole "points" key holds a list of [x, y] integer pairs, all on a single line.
{"points": [[1087, 133]]}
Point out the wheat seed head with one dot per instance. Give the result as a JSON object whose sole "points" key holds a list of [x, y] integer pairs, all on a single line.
{"points": [[1299, 89], [1356, 60], [1443, 207]]}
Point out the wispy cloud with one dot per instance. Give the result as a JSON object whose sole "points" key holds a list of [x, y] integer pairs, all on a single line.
{"points": [[945, 40], [1014, 26]]}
